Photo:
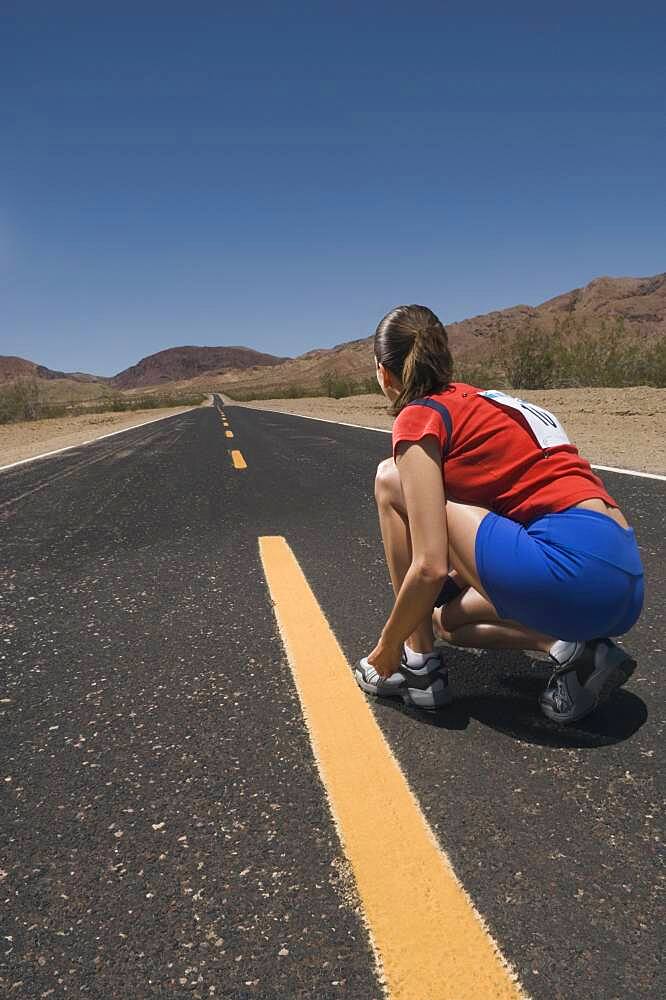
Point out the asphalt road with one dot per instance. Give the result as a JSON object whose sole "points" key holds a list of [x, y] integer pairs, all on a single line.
{"points": [[164, 829]]}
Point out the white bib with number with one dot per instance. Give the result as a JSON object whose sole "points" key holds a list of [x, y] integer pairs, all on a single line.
{"points": [[545, 427]]}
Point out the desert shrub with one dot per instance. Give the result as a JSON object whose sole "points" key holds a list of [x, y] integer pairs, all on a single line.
{"points": [[606, 356], [574, 355], [19, 401], [336, 386], [291, 391], [369, 385], [655, 365], [122, 404], [327, 381], [531, 359], [489, 373]]}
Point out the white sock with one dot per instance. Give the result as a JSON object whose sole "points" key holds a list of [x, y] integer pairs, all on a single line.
{"points": [[563, 652], [417, 659]]}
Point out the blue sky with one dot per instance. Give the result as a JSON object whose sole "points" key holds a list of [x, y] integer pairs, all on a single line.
{"points": [[280, 175]]}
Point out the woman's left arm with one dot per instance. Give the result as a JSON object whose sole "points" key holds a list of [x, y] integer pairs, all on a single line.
{"points": [[419, 464]]}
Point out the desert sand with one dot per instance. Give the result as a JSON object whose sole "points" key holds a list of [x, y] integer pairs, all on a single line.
{"points": [[623, 428], [34, 437]]}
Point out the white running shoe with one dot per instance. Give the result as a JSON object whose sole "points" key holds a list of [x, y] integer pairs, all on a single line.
{"points": [[425, 687]]}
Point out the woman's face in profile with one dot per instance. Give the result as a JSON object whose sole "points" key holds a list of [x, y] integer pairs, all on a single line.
{"points": [[387, 381], [378, 375]]}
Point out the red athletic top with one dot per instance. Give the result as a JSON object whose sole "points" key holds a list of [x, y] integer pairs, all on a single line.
{"points": [[493, 458]]}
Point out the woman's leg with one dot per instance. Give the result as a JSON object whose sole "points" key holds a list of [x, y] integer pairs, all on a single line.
{"points": [[470, 619], [397, 542]]}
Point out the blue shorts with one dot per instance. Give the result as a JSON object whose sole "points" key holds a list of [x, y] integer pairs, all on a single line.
{"points": [[573, 575]]}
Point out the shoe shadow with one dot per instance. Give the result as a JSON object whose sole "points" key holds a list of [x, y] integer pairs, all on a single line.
{"points": [[454, 716], [501, 690]]}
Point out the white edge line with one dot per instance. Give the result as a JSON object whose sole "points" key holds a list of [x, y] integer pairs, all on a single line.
{"points": [[384, 430], [82, 444], [629, 472]]}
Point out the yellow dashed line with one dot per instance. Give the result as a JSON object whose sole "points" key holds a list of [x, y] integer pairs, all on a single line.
{"points": [[430, 942], [229, 434], [238, 460]]}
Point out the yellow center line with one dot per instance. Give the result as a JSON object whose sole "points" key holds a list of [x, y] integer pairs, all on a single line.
{"points": [[430, 942], [229, 434], [238, 460]]}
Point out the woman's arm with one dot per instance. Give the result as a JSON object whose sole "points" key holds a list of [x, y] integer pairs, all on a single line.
{"points": [[420, 466]]}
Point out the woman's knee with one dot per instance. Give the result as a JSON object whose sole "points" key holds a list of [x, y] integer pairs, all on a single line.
{"points": [[388, 488]]}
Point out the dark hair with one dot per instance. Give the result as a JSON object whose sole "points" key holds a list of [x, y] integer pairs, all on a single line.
{"points": [[412, 343]]}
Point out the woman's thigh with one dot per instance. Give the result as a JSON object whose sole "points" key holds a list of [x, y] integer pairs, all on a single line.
{"points": [[463, 522]]}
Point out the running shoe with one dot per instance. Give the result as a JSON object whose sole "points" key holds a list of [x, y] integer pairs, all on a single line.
{"points": [[588, 677], [425, 687]]}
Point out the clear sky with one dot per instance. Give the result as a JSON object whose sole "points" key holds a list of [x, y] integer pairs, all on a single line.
{"points": [[279, 175]]}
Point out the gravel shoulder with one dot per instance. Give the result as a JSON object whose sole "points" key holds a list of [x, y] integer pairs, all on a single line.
{"points": [[34, 437], [624, 428]]}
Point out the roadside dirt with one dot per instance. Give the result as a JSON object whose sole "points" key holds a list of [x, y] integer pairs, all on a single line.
{"points": [[624, 428], [34, 437]]}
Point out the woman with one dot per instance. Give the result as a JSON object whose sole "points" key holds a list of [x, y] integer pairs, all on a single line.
{"points": [[486, 495]]}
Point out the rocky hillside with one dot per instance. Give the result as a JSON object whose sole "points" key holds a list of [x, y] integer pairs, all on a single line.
{"points": [[12, 368], [640, 302]]}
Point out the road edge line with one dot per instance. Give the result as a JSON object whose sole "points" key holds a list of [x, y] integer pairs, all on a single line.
{"points": [[385, 430]]}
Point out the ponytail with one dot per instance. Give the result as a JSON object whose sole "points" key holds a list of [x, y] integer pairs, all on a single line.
{"points": [[411, 342]]}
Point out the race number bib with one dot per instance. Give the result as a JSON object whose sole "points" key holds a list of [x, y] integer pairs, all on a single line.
{"points": [[545, 427]]}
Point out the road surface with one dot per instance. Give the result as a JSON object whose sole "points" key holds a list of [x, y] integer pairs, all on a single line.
{"points": [[165, 830]]}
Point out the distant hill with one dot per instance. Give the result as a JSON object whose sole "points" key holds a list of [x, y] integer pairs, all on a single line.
{"points": [[12, 368], [165, 367], [179, 363]]}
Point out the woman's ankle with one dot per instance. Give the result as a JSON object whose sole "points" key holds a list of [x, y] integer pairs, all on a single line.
{"points": [[417, 658]]}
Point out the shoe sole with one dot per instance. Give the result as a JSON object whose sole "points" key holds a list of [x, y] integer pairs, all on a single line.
{"points": [[609, 680], [428, 700], [372, 690], [424, 700]]}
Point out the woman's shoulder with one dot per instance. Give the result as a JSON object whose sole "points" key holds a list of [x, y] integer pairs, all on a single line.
{"points": [[455, 391]]}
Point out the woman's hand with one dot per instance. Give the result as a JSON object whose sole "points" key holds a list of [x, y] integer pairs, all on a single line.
{"points": [[385, 658]]}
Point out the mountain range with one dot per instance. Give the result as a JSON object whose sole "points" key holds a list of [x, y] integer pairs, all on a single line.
{"points": [[640, 302]]}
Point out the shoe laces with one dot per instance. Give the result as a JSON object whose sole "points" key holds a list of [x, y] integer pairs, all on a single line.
{"points": [[373, 677], [561, 695]]}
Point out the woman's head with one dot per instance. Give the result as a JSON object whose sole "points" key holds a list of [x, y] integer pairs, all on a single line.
{"points": [[412, 346]]}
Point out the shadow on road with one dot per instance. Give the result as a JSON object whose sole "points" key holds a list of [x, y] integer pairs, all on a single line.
{"points": [[505, 697]]}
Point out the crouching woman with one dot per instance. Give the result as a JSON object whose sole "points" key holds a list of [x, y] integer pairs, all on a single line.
{"points": [[497, 534]]}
